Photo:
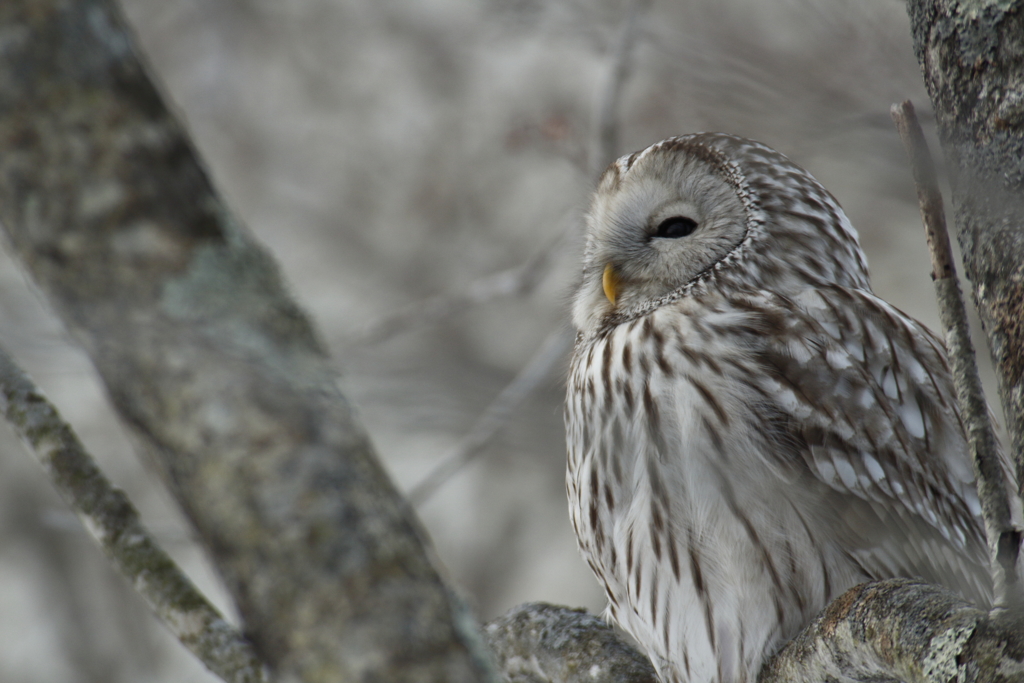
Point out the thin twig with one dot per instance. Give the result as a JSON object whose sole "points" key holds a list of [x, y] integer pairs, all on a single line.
{"points": [[106, 511], [517, 281], [1004, 539], [607, 129], [928, 195], [523, 279], [496, 416]]}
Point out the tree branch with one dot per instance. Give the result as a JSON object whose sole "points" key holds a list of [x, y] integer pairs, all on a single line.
{"points": [[605, 148], [496, 416], [993, 489], [902, 630], [516, 281], [972, 55], [114, 522], [892, 630], [541, 643], [218, 375]]}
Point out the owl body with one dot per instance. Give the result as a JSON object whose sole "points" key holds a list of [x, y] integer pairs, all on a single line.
{"points": [[750, 430]]}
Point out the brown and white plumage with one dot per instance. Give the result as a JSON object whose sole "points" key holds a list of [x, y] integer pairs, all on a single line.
{"points": [[751, 431]]}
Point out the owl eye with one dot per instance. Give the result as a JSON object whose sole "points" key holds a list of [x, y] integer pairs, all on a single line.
{"points": [[676, 226]]}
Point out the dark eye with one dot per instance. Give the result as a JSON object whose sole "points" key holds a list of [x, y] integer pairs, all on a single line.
{"points": [[676, 226]]}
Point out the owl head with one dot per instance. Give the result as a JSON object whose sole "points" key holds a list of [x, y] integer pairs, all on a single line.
{"points": [[697, 213]]}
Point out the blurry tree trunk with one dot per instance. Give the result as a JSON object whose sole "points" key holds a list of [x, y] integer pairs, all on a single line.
{"points": [[218, 375]]}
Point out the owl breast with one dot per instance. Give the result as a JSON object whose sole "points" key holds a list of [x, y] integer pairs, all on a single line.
{"points": [[679, 498]]}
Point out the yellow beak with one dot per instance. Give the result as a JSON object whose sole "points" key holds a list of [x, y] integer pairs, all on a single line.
{"points": [[610, 281]]}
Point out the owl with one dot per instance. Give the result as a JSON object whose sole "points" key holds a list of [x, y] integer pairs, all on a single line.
{"points": [[750, 430]]}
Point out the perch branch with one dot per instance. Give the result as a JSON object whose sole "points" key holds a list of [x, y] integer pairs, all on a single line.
{"points": [[112, 519], [901, 630], [1004, 539], [541, 643], [892, 630]]}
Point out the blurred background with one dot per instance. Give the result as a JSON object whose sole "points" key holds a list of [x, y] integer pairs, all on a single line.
{"points": [[420, 169]]}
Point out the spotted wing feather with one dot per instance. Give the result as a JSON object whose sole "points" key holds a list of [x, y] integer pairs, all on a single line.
{"points": [[872, 414]]}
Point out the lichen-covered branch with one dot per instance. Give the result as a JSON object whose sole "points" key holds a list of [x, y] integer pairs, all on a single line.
{"points": [[902, 630], [893, 630], [218, 375], [972, 55], [541, 643], [114, 522], [1004, 538]]}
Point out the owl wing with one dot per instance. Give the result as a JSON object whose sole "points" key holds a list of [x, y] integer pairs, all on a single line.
{"points": [[866, 401]]}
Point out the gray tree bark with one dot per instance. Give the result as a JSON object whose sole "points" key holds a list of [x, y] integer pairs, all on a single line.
{"points": [[902, 630], [541, 643], [993, 481], [106, 511], [972, 56]]}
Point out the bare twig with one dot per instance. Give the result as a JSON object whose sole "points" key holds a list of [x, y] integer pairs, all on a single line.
{"points": [[519, 280], [496, 416], [1004, 539], [112, 519], [523, 279], [928, 195], [607, 129]]}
